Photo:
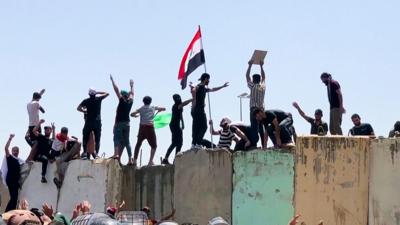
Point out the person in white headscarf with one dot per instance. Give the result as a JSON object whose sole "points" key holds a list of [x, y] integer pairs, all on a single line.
{"points": [[11, 173]]}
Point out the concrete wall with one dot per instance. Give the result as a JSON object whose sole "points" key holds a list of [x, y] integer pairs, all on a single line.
{"points": [[5, 196], [384, 197], [97, 181], [262, 187], [36, 192], [332, 180], [128, 189], [155, 188], [203, 186]]}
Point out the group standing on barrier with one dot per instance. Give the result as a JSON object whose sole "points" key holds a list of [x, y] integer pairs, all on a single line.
{"points": [[276, 125]]}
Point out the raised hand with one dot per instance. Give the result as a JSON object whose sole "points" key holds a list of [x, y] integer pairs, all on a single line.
{"points": [[295, 105], [131, 83], [226, 84], [12, 136], [47, 210]]}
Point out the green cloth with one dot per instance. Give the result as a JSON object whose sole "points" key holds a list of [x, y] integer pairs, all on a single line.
{"points": [[162, 120], [60, 219]]}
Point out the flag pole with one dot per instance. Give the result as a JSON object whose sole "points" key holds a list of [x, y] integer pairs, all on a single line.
{"points": [[208, 93]]}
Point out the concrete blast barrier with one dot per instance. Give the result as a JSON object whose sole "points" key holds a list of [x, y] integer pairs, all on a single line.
{"points": [[128, 190], [97, 181], [35, 192], [155, 188], [203, 186], [262, 187], [331, 181], [384, 183]]}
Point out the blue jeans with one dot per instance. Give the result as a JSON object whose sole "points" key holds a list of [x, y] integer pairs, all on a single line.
{"points": [[121, 137]]}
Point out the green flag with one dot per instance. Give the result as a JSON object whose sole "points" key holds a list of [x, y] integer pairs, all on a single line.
{"points": [[162, 120]]}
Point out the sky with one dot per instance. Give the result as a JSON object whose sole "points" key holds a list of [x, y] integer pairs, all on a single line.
{"points": [[68, 46]]}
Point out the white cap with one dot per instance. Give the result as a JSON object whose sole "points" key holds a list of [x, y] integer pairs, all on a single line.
{"points": [[218, 221], [92, 91], [225, 120]]}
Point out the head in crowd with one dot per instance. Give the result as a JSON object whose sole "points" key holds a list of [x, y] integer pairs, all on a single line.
{"points": [[147, 100], [36, 96], [397, 126], [205, 78], [326, 78], [318, 114], [125, 94], [101, 219], [111, 210], [225, 122], [47, 131], [356, 119], [92, 92], [64, 132], [15, 151], [259, 114], [256, 78], [146, 210], [60, 219], [177, 99]]}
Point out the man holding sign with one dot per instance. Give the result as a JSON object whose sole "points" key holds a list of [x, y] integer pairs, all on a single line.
{"points": [[257, 93]]}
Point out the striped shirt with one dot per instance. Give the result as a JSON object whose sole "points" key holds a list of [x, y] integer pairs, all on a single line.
{"points": [[257, 93], [226, 137]]}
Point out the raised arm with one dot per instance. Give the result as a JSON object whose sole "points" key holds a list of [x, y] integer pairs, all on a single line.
{"points": [[102, 94], [53, 131], [185, 103], [7, 147], [131, 93], [219, 88], [248, 71], [116, 89], [135, 113], [212, 131], [262, 72], [302, 114]]}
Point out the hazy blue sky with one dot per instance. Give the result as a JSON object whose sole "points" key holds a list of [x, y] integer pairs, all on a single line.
{"points": [[69, 46]]}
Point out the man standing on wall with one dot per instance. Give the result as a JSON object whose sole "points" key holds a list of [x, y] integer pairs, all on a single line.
{"points": [[336, 103], [318, 126], [257, 93], [199, 126], [91, 107], [122, 120], [33, 108]]}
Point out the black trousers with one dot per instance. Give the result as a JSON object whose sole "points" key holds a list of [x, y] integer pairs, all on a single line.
{"points": [[199, 126], [13, 189], [286, 131], [256, 127], [90, 126], [30, 137], [177, 141], [44, 160]]}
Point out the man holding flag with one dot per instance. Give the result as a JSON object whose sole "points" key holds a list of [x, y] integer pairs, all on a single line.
{"points": [[192, 59]]}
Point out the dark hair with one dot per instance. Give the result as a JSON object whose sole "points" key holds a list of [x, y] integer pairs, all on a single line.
{"points": [[204, 76], [36, 96], [256, 111], [256, 78], [355, 115], [64, 130], [147, 100], [318, 112], [47, 127], [397, 126], [326, 75], [177, 98]]}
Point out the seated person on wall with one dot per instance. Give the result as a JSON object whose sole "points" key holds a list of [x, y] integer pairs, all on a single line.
{"points": [[248, 132], [361, 129], [228, 133], [43, 146], [318, 126], [396, 130], [64, 149], [278, 127]]}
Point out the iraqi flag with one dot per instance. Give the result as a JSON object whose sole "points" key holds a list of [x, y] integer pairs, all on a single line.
{"points": [[193, 58]]}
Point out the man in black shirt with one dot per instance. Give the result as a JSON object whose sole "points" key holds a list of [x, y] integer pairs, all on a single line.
{"points": [[396, 130], [278, 126], [13, 174], [199, 92], [336, 103], [122, 126], [176, 126], [361, 129], [43, 146], [317, 125], [91, 107]]}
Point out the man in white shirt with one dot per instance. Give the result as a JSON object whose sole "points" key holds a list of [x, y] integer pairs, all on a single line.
{"points": [[33, 108]]}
